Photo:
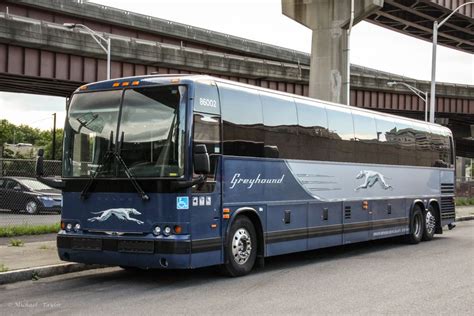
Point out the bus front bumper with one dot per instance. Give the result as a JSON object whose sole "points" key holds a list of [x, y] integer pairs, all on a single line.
{"points": [[143, 253]]}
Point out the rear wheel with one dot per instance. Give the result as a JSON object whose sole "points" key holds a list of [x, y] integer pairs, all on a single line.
{"points": [[429, 223], [416, 226], [241, 247]]}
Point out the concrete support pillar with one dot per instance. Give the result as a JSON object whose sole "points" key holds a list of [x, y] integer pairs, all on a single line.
{"points": [[329, 20], [328, 65]]}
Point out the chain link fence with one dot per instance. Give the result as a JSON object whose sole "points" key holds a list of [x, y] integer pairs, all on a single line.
{"points": [[465, 187], [23, 199]]}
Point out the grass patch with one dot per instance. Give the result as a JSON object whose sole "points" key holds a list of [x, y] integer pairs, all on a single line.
{"points": [[464, 201], [3, 268], [25, 229], [16, 243]]}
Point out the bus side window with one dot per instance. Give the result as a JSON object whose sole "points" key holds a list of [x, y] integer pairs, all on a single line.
{"points": [[405, 139], [341, 132], [313, 133], [442, 148], [386, 137], [207, 132], [424, 149], [279, 118], [366, 138], [242, 120]]}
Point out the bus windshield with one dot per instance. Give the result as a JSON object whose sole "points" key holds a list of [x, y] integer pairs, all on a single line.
{"points": [[145, 126]]}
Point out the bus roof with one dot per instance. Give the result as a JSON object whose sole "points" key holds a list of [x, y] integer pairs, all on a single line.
{"points": [[117, 83]]}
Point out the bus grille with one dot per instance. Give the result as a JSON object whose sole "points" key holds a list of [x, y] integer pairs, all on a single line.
{"points": [[447, 188], [447, 208]]}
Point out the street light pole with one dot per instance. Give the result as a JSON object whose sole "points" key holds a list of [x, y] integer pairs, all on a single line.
{"points": [[436, 26], [422, 95], [99, 39], [53, 155]]}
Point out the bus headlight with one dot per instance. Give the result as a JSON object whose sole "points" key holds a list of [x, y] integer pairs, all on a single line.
{"points": [[77, 227], [167, 231], [69, 227], [157, 230]]}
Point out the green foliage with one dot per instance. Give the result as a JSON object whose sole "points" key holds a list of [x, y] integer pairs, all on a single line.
{"points": [[464, 201], [25, 229], [3, 268], [16, 243], [11, 133]]}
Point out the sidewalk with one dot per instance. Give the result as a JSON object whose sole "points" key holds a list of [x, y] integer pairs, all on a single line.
{"points": [[31, 254], [464, 211], [40, 251]]}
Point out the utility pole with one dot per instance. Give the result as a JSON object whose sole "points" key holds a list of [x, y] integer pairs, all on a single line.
{"points": [[54, 137]]}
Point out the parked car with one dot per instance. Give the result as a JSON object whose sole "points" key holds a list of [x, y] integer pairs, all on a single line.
{"points": [[28, 194]]}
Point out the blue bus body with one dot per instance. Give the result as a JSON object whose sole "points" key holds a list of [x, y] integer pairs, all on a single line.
{"points": [[295, 204]]}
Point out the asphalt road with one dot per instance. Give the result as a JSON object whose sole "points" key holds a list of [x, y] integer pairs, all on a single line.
{"points": [[15, 218], [385, 277]]}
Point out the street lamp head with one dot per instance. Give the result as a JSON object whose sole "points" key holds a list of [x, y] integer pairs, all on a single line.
{"points": [[69, 25]]}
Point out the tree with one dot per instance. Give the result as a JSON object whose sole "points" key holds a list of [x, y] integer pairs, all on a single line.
{"points": [[46, 142], [11, 133]]}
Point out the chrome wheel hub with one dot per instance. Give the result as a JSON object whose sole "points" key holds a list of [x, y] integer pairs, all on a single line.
{"points": [[31, 207], [241, 246], [430, 221]]}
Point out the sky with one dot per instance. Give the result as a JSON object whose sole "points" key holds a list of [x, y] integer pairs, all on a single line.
{"points": [[261, 20]]}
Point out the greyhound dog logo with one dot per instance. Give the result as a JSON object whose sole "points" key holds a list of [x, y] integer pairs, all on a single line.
{"points": [[121, 213], [371, 178]]}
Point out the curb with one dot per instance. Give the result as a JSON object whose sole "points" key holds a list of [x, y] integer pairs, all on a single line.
{"points": [[465, 218], [45, 271]]}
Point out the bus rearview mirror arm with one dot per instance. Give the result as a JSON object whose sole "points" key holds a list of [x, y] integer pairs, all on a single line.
{"points": [[39, 171], [202, 167]]}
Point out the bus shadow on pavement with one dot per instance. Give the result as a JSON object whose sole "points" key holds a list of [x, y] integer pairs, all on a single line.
{"points": [[187, 278]]}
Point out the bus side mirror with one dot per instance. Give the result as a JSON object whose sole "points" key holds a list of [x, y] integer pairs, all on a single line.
{"points": [[201, 160], [39, 169]]}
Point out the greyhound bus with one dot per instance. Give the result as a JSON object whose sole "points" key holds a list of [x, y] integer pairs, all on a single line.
{"points": [[187, 171]]}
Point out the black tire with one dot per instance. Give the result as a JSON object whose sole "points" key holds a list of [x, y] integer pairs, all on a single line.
{"points": [[241, 247], [429, 223], [416, 226], [31, 207]]}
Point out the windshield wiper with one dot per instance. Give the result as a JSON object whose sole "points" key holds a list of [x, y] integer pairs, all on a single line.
{"points": [[129, 175], [114, 154], [98, 170]]}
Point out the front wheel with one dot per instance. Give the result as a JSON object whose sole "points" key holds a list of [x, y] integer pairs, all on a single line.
{"points": [[416, 226], [241, 247], [31, 207], [429, 223]]}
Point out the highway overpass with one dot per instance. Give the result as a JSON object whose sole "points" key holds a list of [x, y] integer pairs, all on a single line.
{"points": [[38, 55]]}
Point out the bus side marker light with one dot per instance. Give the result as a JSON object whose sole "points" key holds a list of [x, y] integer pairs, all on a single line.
{"points": [[365, 205], [226, 210], [135, 83], [213, 225], [63, 225], [84, 87], [125, 83], [174, 80], [226, 216], [116, 84]]}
